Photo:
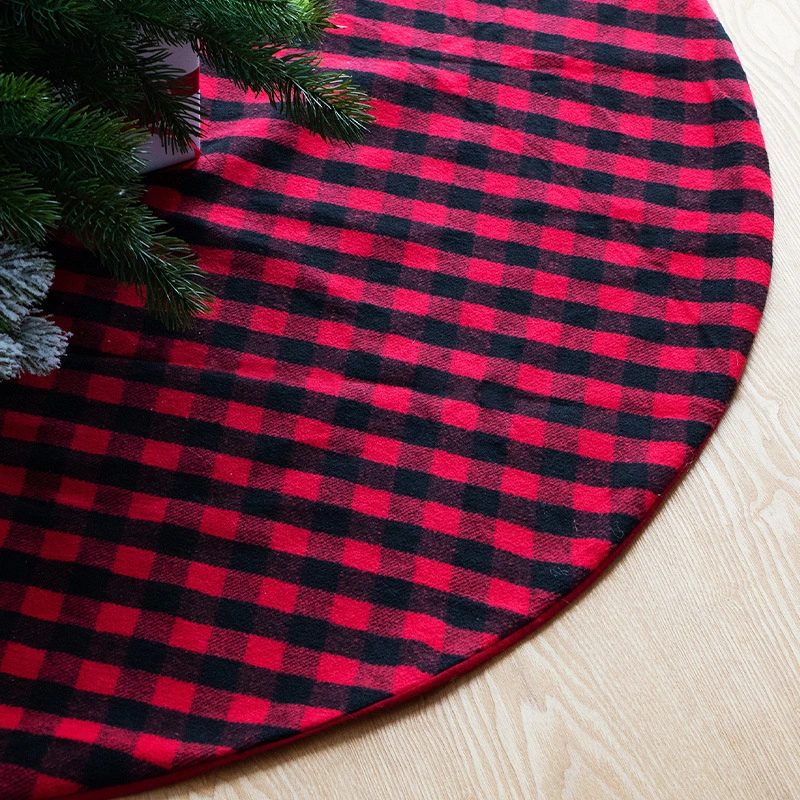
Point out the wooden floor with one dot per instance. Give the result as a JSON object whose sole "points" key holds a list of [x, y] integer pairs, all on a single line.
{"points": [[678, 675]]}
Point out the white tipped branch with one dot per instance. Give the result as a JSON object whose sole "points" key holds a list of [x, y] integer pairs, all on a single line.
{"points": [[29, 342], [43, 344], [25, 278]]}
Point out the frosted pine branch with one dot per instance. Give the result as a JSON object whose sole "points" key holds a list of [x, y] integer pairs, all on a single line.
{"points": [[28, 342], [43, 343], [25, 278], [10, 354]]}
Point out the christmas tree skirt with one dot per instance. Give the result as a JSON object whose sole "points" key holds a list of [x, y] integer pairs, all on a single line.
{"points": [[449, 374]]}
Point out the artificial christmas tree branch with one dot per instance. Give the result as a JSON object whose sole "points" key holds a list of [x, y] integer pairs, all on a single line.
{"points": [[28, 341], [25, 208], [83, 84], [86, 161]]}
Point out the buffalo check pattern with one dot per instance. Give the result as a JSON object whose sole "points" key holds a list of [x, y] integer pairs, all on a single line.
{"points": [[449, 372]]}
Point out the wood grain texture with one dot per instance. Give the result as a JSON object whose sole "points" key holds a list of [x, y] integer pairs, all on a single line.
{"points": [[678, 675]]}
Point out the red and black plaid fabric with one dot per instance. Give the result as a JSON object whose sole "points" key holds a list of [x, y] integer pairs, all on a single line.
{"points": [[449, 372]]}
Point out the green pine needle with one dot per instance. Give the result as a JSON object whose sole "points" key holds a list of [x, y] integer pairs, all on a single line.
{"points": [[83, 82], [27, 212]]}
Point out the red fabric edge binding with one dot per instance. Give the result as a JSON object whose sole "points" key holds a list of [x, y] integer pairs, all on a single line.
{"points": [[442, 678]]}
